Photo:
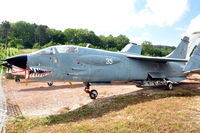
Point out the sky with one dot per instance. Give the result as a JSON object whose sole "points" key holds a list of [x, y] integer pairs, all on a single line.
{"points": [[162, 22]]}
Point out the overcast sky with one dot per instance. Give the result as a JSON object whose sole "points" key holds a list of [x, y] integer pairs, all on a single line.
{"points": [[159, 21]]}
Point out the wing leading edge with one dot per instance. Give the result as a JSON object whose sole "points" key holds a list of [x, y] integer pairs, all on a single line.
{"points": [[155, 59]]}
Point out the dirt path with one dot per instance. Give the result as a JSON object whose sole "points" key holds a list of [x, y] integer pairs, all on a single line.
{"points": [[38, 99]]}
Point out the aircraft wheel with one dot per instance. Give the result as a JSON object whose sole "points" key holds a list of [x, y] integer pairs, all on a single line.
{"points": [[93, 94], [169, 86], [50, 83], [17, 80]]}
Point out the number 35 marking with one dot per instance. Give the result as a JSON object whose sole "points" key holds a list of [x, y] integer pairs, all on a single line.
{"points": [[109, 61]]}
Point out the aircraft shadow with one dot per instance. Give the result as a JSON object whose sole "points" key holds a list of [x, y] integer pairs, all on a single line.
{"points": [[56, 87], [102, 106]]}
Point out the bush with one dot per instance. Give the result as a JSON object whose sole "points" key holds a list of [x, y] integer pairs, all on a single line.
{"points": [[36, 45], [16, 43], [51, 43], [20, 46], [7, 52]]}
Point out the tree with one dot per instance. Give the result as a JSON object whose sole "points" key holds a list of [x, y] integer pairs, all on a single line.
{"points": [[155, 50], [25, 31], [103, 41], [147, 48], [70, 35], [5, 31], [15, 42], [57, 36], [81, 36], [107, 42], [110, 40], [42, 35], [121, 41], [22, 34]]}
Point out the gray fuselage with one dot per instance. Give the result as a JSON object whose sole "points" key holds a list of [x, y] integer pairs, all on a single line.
{"points": [[74, 63]]}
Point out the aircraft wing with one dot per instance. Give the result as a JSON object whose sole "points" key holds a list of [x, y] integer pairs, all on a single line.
{"points": [[155, 59]]}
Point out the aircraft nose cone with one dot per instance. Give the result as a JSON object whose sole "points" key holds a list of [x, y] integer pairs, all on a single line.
{"points": [[19, 61]]}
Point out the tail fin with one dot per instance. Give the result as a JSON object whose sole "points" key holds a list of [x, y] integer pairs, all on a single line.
{"points": [[194, 40], [182, 49], [193, 64]]}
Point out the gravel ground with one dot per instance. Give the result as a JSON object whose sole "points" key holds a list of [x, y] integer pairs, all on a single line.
{"points": [[38, 99]]}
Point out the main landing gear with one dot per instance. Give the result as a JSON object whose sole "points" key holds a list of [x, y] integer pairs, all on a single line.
{"points": [[169, 86], [93, 93], [17, 79]]}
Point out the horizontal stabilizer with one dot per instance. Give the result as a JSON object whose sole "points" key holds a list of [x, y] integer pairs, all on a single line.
{"points": [[156, 59], [193, 64], [176, 79], [156, 75]]}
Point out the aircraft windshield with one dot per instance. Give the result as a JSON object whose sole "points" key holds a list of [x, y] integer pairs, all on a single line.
{"points": [[45, 51], [67, 49], [55, 49]]}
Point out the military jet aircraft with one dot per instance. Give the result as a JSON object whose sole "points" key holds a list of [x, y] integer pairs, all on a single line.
{"points": [[93, 66]]}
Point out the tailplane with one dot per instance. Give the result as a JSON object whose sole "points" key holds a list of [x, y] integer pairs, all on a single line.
{"points": [[182, 49]]}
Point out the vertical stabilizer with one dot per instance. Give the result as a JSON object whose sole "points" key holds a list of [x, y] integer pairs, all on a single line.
{"points": [[182, 49], [193, 64], [194, 40]]}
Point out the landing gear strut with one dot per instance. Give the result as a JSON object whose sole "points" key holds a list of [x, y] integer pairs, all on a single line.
{"points": [[93, 93]]}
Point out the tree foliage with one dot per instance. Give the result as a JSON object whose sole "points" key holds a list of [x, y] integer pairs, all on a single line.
{"points": [[25, 35], [149, 49], [24, 31], [4, 31]]}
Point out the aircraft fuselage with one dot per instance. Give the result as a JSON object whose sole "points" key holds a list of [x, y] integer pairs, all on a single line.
{"points": [[72, 63]]}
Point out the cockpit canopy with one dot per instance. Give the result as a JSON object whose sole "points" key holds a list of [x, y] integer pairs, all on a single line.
{"points": [[57, 49]]}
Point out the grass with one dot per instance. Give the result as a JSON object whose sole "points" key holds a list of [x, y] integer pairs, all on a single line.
{"points": [[26, 51], [145, 111]]}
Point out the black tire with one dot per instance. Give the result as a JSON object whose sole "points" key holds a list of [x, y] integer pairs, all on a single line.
{"points": [[50, 83], [169, 86], [17, 80], [93, 94]]}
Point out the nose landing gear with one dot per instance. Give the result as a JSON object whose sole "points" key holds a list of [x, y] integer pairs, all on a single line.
{"points": [[50, 83], [93, 93]]}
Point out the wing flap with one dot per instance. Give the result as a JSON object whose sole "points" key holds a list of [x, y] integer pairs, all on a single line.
{"points": [[156, 59]]}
